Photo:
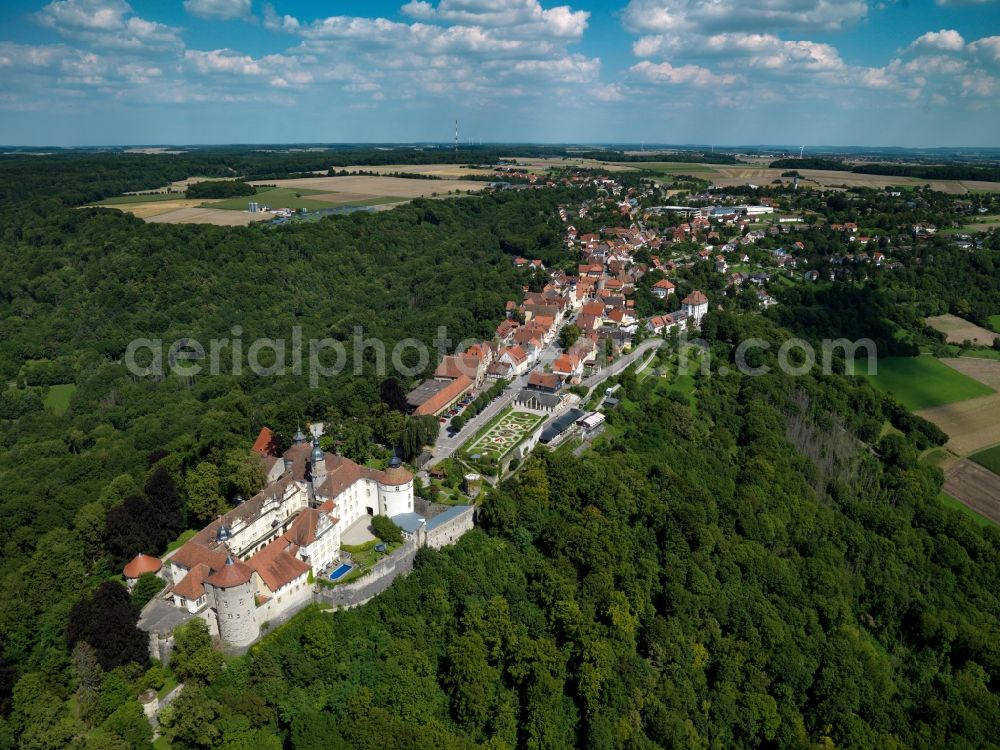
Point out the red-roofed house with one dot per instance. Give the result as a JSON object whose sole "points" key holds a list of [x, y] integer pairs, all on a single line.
{"points": [[443, 399], [516, 358], [696, 306], [568, 366], [265, 444], [663, 289]]}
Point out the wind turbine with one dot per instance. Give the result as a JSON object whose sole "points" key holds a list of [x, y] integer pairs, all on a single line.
{"points": [[801, 151]]}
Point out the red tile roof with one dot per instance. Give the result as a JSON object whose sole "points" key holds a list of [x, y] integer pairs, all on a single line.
{"points": [[445, 396], [695, 298], [141, 564], [232, 573], [548, 380], [191, 586], [277, 565], [265, 444], [567, 364], [453, 365]]}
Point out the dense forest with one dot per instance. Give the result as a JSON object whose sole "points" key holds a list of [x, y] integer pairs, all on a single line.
{"points": [[754, 565], [132, 460], [219, 189], [696, 582]]}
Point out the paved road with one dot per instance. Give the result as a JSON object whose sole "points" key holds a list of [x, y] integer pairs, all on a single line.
{"points": [[616, 367], [445, 446]]}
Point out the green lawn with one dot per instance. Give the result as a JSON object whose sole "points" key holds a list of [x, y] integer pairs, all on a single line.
{"points": [[509, 427], [988, 459], [922, 382], [934, 457], [995, 322], [273, 197], [950, 502], [57, 399]]}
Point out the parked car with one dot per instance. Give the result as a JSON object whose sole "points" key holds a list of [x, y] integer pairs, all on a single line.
{"points": [[442, 420]]}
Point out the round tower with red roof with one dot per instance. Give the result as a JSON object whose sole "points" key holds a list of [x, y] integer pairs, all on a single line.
{"points": [[233, 591]]}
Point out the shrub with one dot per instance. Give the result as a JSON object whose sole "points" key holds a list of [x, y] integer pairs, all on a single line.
{"points": [[386, 530]]}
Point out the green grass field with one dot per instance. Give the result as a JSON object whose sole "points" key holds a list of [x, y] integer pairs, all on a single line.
{"points": [[57, 399], [273, 197], [122, 200], [950, 502], [988, 459], [667, 167], [922, 382], [994, 321]]}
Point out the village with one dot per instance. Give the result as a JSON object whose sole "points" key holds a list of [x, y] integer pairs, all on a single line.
{"points": [[643, 273]]}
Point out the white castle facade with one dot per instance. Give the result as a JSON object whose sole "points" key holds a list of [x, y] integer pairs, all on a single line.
{"points": [[254, 563]]}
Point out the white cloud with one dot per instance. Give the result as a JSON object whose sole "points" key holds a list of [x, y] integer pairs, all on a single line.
{"points": [[28, 56], [659, 16], [107, 24], [947, 40], [223, 61], [986, 49], [694, 75], [521, 17], [218, 9]]}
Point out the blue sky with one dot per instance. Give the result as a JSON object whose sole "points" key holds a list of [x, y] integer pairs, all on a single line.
{"points": [[837, 72]]}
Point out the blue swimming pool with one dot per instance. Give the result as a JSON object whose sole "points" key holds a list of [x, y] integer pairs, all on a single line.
{"points": [[340, 572]]}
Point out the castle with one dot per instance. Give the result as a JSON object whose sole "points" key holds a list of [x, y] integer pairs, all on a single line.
{"points": [[255, 563]]}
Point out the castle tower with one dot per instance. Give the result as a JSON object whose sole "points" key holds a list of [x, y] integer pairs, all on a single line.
{"points": [[233, 592], [318, 461], [395, 490]]}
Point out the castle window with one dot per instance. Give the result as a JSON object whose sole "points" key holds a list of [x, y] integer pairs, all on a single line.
{"points": [[230, 615]]}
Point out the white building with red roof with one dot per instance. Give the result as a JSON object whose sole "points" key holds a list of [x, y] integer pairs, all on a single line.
{"points": [[255, 561], [695, 305]]}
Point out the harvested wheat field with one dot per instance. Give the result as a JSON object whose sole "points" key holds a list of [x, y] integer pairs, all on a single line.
{"points": [[156, 208], [986, 371], [976, 488], [445, 171], [973, 424], [219, 217], [958, 330], [377, 186]]}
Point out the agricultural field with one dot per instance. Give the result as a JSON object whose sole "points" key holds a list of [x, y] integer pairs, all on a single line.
{"points": [[925, 382], [306, 192], [976, 488], [293, 198], [950, 502], [958, 330], [501, 435], [130, 198], [444, 171], [757, 172], [670, 167], [369, 187], [196, 214], [988, 459], [148, 209]]}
